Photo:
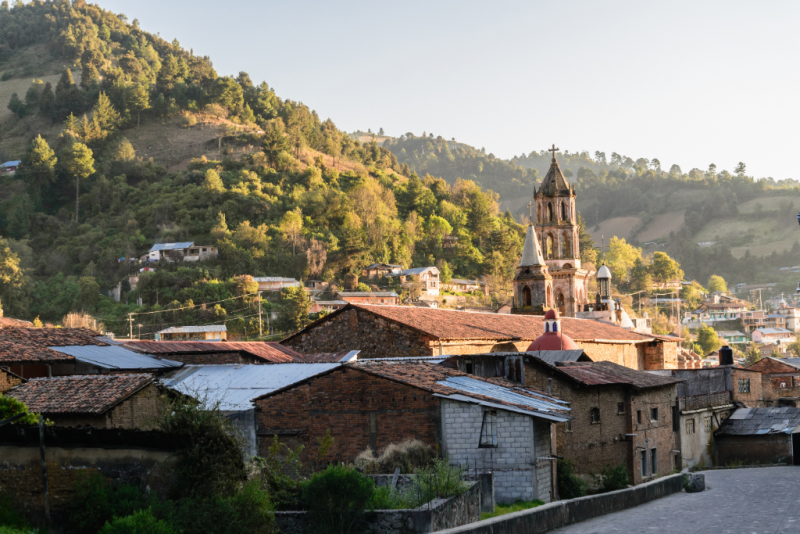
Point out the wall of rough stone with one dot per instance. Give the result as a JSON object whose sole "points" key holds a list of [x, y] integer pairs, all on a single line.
{"points": [[629, 355], [138, 411], [360, 410], [765, 449], [8, 381], [511, 461]]}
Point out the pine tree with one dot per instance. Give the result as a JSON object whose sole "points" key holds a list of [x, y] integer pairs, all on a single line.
{"points": [[77, 161], [47, 100], [16, 106], [65, 82], [138, 99], [106, 115], [39, 164]]}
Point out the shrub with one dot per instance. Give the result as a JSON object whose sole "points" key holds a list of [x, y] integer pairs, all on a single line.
{"points": [[9, 515], [188, 120], [336, 498], [141, 522], [614, 477], [97, 500], [383, 499], [441, 480], [409, 456], [280, 474], [247, 512], [217, 111], [570, 484]]}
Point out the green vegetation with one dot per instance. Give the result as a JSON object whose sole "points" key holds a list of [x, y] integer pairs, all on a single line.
{"points": [[516, 506], [570, 485], [614, 477], [336, 498], [11, 520]]}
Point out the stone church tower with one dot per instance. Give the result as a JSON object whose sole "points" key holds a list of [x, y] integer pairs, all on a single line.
{"points": [[533, 285], [557, 230]]}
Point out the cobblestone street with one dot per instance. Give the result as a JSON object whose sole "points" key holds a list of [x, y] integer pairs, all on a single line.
{"points": [[735, 501]]}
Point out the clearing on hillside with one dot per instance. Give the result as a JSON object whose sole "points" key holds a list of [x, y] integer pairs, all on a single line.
{"points": [[661, 226], [21, 86], [769, 203], [617, 226]]}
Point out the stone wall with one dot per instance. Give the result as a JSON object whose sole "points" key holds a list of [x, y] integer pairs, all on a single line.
{"points": [[629, 355], [360, 410], [8, 381], [437, 515], [513, 459], [653, 434], [764, 449]]}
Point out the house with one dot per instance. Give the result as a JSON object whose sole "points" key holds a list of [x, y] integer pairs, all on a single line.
{"points": [[509, 365], [759, 436], [711, 312], [783, 373], [427, 276], [460, 285], [368, 297], [733, 337], [233, 387], [492, 424], [10, 167], [792, 316], [669, 284], [275, 283], [185, 251], [101, 401], [379, 270], [763, 335], [317, 285], [760, 319], [747, 288], [620, 416], [192, 333], [400, 331], [771, 348], [210, 352], [327, 305]]}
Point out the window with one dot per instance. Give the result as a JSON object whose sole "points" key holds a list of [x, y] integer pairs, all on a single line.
{"points": [[653, 461], [568, 426], [595, 415], [744, 385], [675, 419], [690, 426], [708, 423], [643, 456], [468, 366], [489, 429], [620, 408], [639, 416], [676, 460], [654, 415]]}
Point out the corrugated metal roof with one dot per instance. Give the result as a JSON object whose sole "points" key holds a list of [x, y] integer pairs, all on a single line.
{"points": [[366, 294], [553, 356], [773, 331], [172, 246], [487, 389], [416, 270], [194, 329], [235, 386], [115, 357], [759, 421], [273, 279]]}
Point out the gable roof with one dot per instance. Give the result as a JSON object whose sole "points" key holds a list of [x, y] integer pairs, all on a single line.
{"points": [[194, 329], [609, 373], [270, 352], [447, 324], [51, 337], [172, 246], [454, 385], [116, 357], [10, 321], [80, 394], [554, 181], [13, 353], [418, 270], [759, 421]]}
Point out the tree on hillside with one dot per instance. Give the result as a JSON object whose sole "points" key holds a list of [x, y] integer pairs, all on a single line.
{"points": [[47, 100], [291, 227], [138, 100], [212, 182], [717, 283], [38, 164], [107, 117], [16, 106], [794, 347], [274, 141], [89, 294], [76, 161], [294, 309], [640, 276], [586, 243], [665, 268], [740, 169], [621, 257], [124, 151], [752, 355], [708, 340], [15, 284]]}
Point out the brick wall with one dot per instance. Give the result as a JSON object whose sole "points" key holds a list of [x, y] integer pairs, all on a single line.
{"points": [[759, 392], [137, 411], [374, 336], [8, 381], [629, 355], [543, 448], [217, 358], [515, 476], [361, 411], [652, 434], [765, 449]]}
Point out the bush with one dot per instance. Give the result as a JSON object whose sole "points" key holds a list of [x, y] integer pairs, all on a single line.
{"points": [[442, 480], [383, 499], [409, 456], [570, 484], [336, 498], [97, 501], [9, 515], [188, 121], [614, 477], [247, 512], [141, 522]]}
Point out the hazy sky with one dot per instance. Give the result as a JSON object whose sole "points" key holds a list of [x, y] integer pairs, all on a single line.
{"points": [[690, 83]]}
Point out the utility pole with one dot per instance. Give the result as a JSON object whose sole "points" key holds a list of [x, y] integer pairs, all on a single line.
{"points": [[260, 333], [130, 327]]}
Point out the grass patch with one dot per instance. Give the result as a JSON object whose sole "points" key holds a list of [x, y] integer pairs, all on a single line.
{"points": [[516, 506]]}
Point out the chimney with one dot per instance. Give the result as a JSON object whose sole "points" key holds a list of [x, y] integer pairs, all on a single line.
{"points": [[725, 355]]}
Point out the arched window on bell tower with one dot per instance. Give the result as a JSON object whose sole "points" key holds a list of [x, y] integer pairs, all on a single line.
{"points": [[566, 251], [549, 248], [550, 212], [526, 296], [563, 211]]}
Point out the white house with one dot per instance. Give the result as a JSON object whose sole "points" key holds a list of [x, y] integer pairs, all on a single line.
{"points": [[185, 251], [427, 276], [766, 335]]}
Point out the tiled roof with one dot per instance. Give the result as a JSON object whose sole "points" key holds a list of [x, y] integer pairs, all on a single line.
{"points": [[268, 351], [51, 337], [758, 421], [366, 294], [9, 321], [451, 324], [94, 394], [604, 373], [194, 329], [451, 383], [12, 353]]}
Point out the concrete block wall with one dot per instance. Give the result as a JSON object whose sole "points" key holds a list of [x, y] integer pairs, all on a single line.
{"points": [[512, 461], [544, 468]]}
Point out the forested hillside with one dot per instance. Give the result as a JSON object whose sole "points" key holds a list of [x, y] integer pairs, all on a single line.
{"points": [[280, 191]]}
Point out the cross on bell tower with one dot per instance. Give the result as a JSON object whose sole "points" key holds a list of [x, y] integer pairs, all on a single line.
{"points": [[530, 212], [553, 150]]}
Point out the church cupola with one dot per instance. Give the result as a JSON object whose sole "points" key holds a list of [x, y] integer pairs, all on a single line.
{"points": [[552, 338], [604, 283]]}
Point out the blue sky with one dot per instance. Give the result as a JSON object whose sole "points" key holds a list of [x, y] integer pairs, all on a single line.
{"points": [[690, 83]]}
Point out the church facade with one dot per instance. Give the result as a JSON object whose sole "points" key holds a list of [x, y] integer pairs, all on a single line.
{"points": [[550, 275]]}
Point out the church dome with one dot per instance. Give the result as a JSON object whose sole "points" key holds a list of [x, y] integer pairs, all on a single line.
{"points": [[553, 338], [551, 314], [604, 272]]}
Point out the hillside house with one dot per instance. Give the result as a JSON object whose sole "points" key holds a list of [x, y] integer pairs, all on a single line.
{"points": [[193, 333], [711, 312], [402, 331], [460, 285], [185, 251], [100, 401], [733, 337], [765, 335], [318, 305], [368, 297], [744, 288], [317, 285], [778, 347], [427, 276], [379, 270], [492, 424], [275, 283], [10, 167], [753, 320]]}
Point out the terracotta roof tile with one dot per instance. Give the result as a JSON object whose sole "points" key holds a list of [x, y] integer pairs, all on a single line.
{"points": [[51, 337], [270, 352], [93, 394], [12, 353], [8, 321], [452, 324]]}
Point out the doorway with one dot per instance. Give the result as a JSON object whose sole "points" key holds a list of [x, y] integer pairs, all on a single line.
{"points": [[795, 449]]}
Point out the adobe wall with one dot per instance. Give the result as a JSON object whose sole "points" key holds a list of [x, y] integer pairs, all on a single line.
{"points": [[138, 411], [360, 410], [759, 391], [764, 449], [374, 336], [8, 381], [629, 355], [653, 434], [21, 471]]}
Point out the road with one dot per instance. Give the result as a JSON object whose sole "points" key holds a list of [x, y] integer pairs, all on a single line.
{"points": [[745, 501]]}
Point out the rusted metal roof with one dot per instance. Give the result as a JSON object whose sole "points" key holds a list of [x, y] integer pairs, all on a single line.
{"points": [[268, 351], [603, 373]]}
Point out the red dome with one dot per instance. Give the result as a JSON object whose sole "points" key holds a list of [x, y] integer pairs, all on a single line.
{"points": [[551, 314], [553, 341]]}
